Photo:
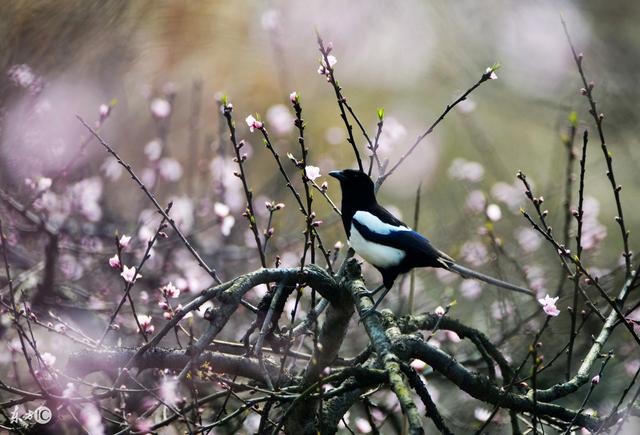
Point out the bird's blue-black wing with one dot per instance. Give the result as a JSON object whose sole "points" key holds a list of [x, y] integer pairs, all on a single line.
{"points": [[418, 248]]}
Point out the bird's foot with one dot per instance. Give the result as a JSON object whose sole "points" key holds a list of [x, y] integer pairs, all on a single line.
{"points": [[366, 293], [369, 293], [368, 312]]}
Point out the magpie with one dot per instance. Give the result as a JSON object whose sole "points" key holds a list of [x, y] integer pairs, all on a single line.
{"points": [[389, 244]]}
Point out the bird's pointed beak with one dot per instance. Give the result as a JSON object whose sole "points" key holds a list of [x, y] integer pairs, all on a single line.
{"points": [[337, 174]]}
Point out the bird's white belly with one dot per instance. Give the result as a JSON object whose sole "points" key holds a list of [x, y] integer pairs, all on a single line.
{"points": [[375, 253]]}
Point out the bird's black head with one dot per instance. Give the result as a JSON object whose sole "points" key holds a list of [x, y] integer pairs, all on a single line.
{"points": [[357, 188]]}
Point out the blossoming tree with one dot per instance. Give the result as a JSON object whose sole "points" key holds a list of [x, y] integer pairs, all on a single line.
{"points": [[231, 312]]}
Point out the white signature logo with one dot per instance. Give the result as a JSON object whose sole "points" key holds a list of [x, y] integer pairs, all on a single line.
{"points": [[41, 415]]}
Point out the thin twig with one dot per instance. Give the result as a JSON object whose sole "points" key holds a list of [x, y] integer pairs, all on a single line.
{"points": [[486, 76], [608, 156], [340, 98], [210, 270], [249, 213], [579, 215]]}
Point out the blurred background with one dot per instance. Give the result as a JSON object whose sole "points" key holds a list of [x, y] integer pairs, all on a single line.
{"points": [[150, 75]]}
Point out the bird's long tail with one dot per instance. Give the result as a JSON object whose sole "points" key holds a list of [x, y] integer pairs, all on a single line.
{"points": [[468, 273]]}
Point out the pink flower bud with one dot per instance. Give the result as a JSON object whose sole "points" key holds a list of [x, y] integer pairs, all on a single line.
{"points": [[253, 123], [129, 274], [105, 110], [114, 262], [124, 241], [160, 108]]}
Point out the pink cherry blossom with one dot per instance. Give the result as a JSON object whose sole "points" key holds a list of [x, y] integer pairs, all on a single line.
{"points": [[153, 149], [48, 359], [129, 274], [114, 262], [491, 71], [293, 96], [280, 119], [221, 210], [418, 365], [476, 201], [595, 380], [465, 170], [124, 241], [493, 212], [91, 419], [440, 311], [145, 323], [104, 111], [322, 69], [160, 108], [253, 123], [312, 172], [170, 291], [227, 224], [170, 169], [169, 391], [482, 414], [549, 305]]}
